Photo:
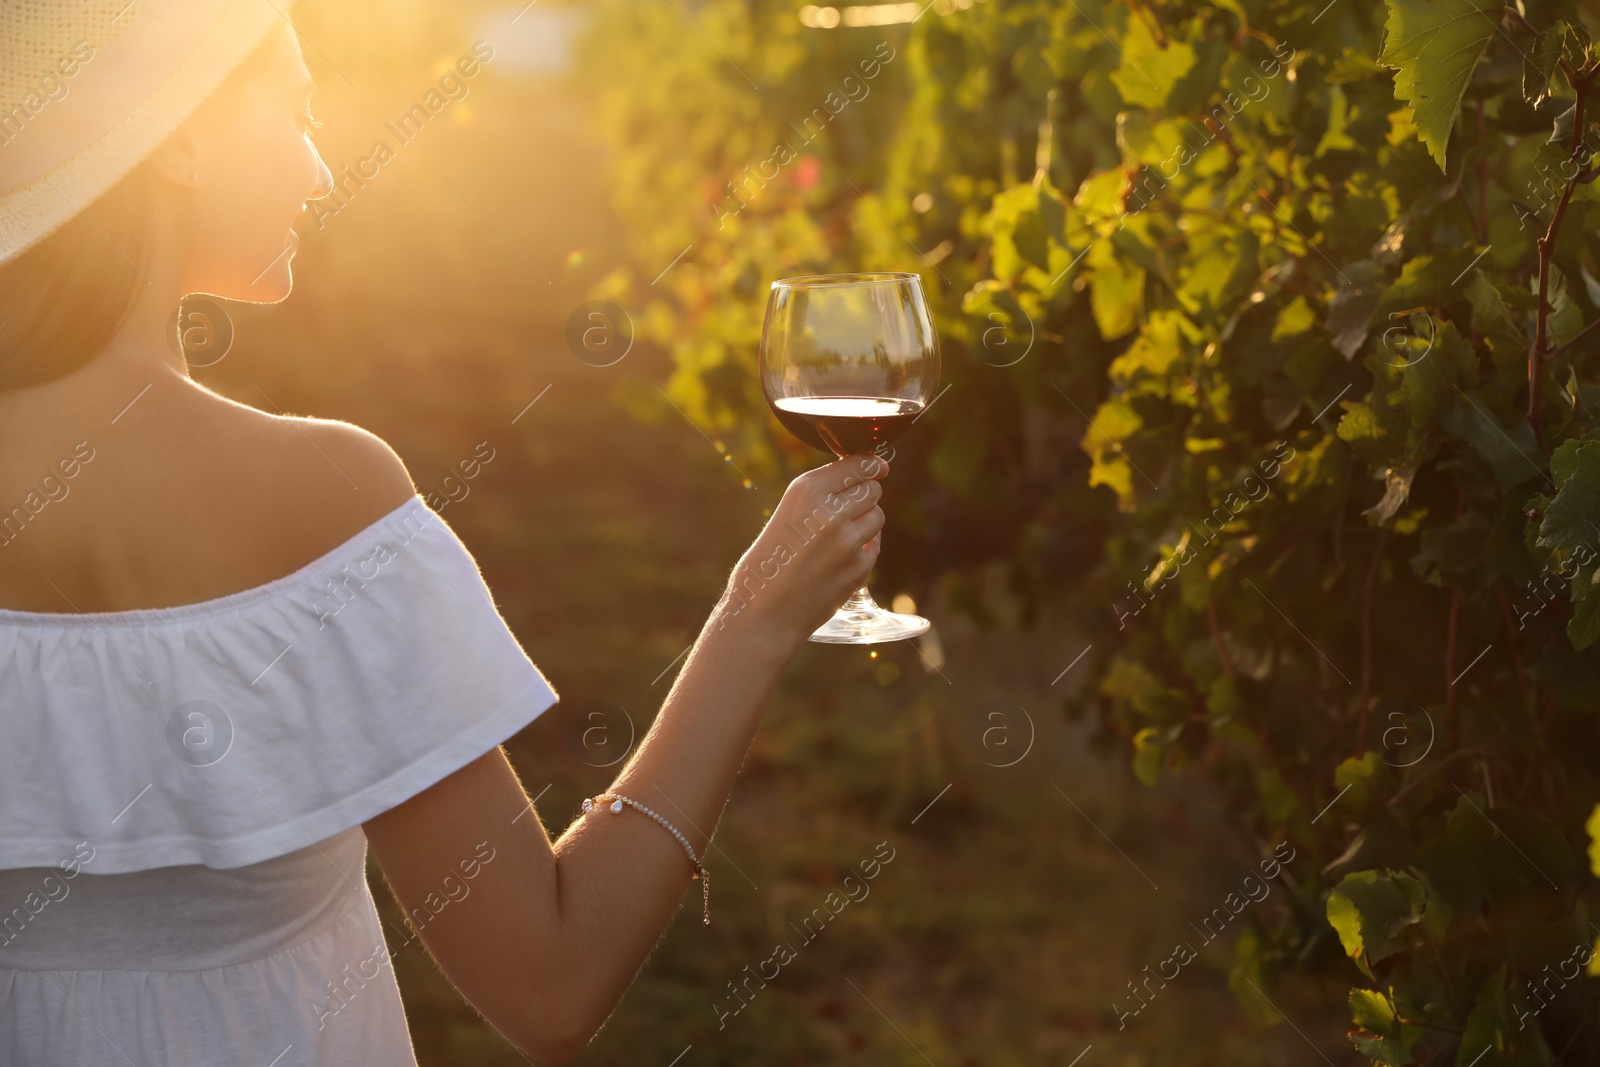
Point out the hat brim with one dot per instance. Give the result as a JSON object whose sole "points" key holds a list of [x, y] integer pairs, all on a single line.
{"points": [[32, 212]]}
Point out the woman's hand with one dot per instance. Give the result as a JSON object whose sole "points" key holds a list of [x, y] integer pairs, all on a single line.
{"points": [[817, 549]]}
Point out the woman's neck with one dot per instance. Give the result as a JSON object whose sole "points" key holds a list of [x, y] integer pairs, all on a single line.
{"points": [[138, 360], [146, 343]]}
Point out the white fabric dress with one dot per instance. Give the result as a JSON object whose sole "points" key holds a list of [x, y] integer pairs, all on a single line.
{"points": [[182, 864]]}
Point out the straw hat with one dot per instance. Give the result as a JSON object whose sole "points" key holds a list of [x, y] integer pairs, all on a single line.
{"points": [[88, 88]]}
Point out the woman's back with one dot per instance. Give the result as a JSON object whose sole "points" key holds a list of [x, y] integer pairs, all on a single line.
{"points": [[206, 497], [128, 492], [183, 796]]}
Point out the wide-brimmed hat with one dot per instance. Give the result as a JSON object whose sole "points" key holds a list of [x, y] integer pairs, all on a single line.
{"points": [[89, 87]]}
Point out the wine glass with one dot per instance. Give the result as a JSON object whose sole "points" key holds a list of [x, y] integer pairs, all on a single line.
{"points": [[848, 363]]}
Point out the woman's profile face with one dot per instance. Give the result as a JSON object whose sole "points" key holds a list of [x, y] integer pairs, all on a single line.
{"points": [[242, 167]]}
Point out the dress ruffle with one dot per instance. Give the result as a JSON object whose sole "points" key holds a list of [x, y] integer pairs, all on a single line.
{"points": [[245, 727]]}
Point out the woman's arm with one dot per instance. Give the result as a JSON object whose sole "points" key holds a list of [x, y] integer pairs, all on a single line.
{"points": [[543, 940]]}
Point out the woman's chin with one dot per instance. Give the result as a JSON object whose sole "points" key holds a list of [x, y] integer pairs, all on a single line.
{"points": [[264, 287], [272, 281], [271, 287]]}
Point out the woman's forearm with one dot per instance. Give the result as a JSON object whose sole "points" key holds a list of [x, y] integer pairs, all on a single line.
{"points": [[685, 765], [621, 877]]}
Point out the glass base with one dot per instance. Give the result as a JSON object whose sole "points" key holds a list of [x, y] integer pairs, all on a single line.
{"points": [[860, 621]]}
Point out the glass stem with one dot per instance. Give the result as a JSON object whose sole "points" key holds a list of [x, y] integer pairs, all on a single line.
{"points": [[860, 603], [861, 607]]}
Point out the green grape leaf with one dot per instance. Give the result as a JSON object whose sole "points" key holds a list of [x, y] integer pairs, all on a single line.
{"points": [[1375, 428], [1018, 232], [1434, 379], [1566, 317], [1132, 241], [1539, 63], [1494, 1025], [1561, 40], [1223, 266], [1337, 135], [1496, 855], [1149, 71], [1371, 1010], [1592, 827], [1370, 782], [1583, 629], [1153, 352], [1381, 1036], [1454, 553], [1509, 452], [1295, 317], [1373, 913], [1573, 516], [1114, 421], [1433, 47], [1116, 291], [1190, 92], [1350, 308], [1579, 47], [1100, 196], [1132, 683], [1571, 525], [1508, 343], [1000, 325], [1149, 139]]}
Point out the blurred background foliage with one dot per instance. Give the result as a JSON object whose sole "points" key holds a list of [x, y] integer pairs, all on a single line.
{"points": [[1236, 298]]}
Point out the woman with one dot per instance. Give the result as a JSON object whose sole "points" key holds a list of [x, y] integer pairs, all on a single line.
{"points": [[236, 648]]}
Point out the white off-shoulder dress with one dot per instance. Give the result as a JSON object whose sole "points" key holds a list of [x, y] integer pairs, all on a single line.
{"points": [[182, 863]]}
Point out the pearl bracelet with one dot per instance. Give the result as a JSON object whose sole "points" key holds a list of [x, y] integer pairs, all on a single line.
{"points": [[617, 800]]}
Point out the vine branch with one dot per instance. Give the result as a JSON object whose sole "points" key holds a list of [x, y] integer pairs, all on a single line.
{"points": [[1366, 641], [1581, 82], [1574, 339]]}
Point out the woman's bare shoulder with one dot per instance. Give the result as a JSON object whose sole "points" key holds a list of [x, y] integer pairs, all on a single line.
{"points": [[344, 471], [196, 499], [362, 458], [310, 483]]}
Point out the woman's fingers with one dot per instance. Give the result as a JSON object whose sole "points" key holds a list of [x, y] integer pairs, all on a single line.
{"points": [[820, 543], [858, 531], [849, 473], [857, 500], [848, 487], [864, 543]]}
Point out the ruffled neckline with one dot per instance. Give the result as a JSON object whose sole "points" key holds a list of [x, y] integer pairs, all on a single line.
{"points": [[180, 613]]}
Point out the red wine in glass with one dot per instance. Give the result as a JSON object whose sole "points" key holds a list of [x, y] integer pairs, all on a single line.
{"points": [[846, 425], [848, 363]]}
